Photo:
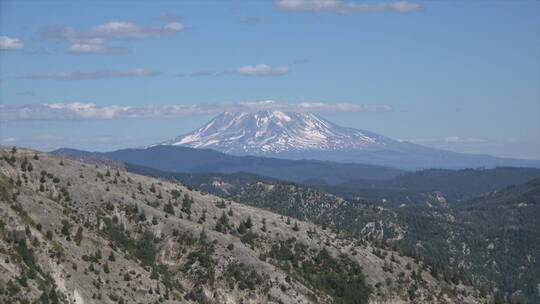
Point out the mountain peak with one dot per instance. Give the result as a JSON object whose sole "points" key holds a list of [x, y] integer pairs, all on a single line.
{"points": [[274, 131]]}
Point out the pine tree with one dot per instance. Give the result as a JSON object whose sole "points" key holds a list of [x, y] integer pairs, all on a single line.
{"points": [[169, 208], [248, 223], [112, 257], [79, 236]]}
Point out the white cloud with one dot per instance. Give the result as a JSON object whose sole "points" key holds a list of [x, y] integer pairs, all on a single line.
{"points": [[10, 44], [262, 70], [344, 7], [248, 70], [54, 141], [138, 73], [94, 41], [78, 110], [87, 75], [88, 48]]}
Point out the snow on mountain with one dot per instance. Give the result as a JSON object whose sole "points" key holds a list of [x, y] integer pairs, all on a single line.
{"points": [[294, 135], [271, 132]]}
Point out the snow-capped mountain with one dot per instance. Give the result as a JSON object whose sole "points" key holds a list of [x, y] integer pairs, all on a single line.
{"points": [[271, 132], [296, 135]]}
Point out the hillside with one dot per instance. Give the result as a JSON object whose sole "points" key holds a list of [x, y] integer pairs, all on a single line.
{"points": [[492, 240], [80, 233]]}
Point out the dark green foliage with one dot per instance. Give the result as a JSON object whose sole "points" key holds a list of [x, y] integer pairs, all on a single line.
{"points": [[66, 228], [26, 254], [241, 228], [79, 236], [175, 194], [341, 278], [12, 288], [205, 272], [222, 224], [144, 248], [187, 201], [249, 238], [106, 268], [243, 276], [169, 208], [112, 258], [248, 223]]}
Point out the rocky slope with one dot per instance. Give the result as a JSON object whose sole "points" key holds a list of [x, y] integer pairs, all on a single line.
{"points": [[72, 232]]}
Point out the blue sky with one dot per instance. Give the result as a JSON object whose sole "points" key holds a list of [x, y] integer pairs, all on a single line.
{"points": [[459, 75]]}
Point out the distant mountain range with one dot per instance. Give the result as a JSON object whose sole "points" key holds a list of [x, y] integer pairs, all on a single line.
{"points": [[433, 185], [225, 174], [184, 159], [293, 135]]}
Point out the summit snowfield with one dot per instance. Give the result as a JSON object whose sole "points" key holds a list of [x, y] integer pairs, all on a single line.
{"points": [[267, 132], [299, 135]]}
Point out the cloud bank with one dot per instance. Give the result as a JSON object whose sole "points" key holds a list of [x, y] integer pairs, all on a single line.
{"points": [[262, 70], [343, 7], [259, 70], [88, 75], [81, 111], [95, 40], [10, 44]]}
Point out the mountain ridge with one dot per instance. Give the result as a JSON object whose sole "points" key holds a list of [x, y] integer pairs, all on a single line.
{"points": [[185, 159], [304, 135]]}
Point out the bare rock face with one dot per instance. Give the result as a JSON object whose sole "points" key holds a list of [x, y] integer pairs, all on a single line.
{"points": [[72, 232]]}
